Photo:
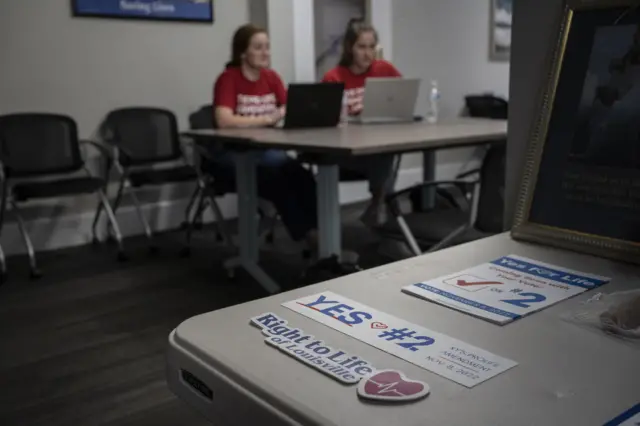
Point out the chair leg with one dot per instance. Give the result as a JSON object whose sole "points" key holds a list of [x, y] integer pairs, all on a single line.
{"points": [[94, 227], [449, 238], [116, 202], [197, 196], [409, 239], [186, 250], [221, 226], [33, 267], [143, 220], [3, 267], [114, 224]]}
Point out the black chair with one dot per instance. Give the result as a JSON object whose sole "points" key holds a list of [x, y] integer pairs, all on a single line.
{"points": [[147, 151], [46, 147], [210, 188], [477, 216], [487, 106], [469, 207]]}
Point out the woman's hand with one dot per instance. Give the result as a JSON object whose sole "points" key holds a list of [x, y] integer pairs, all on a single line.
{"points": [[274, 118], [268, 120]]}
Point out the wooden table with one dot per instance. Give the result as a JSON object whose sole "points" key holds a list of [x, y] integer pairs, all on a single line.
{"points": [[330, 143], [566, 374]]}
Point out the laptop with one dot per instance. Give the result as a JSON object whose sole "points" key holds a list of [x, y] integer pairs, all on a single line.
{"points": [[313, 105], [389, 100]]}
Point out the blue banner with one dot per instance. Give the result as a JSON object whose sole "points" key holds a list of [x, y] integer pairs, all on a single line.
{"points": [[563, 277], [178, 10]]}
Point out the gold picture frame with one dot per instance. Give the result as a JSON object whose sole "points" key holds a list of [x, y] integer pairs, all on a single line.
{"points": [[527, 229]]}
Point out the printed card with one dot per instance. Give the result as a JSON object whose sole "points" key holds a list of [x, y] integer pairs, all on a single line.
{"points": [[506, 289], [438, 353]]}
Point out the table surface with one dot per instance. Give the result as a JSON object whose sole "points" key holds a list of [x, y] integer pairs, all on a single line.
{"points": [[358, 139], [566, 374]]}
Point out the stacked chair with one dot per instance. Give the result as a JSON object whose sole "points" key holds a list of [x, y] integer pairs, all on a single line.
{"points": [[147, 151], [469, 207], [42, 159]]}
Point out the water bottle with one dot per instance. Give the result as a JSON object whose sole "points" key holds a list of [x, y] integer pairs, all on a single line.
{"points": [[344, 112], [434, 99]]}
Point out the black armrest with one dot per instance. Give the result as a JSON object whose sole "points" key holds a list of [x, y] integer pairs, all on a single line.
{"points": [[392, 197], [104, 150], [468, 173]]}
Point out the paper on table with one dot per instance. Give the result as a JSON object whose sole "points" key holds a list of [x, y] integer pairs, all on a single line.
{"points": [[438, 353], [506, 289]]}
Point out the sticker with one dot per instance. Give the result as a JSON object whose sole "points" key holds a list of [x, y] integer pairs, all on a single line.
{"points": [[628, 418], [335, 363], [391, 386], [438, 353], [508, 288]]}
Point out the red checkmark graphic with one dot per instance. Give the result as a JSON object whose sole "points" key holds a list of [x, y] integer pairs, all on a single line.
{"points": [[463, 283]]}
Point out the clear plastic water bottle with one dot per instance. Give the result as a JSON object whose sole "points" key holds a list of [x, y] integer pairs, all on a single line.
{"points": [[344, 112], [434, 100]]}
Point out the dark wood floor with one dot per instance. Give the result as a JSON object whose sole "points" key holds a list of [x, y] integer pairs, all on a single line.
{"points": [[85, 344]]}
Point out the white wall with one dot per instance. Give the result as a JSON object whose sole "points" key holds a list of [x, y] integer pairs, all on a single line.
{"points": [[85, 67], [258, 13], [330, 20], [448, 41]]}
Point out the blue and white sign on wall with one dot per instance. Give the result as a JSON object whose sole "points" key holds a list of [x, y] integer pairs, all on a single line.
{"points": [[168, 10]]}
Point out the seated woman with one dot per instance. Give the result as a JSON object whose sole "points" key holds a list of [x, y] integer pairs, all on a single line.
{"points": [[249, 94], [358, 62]]}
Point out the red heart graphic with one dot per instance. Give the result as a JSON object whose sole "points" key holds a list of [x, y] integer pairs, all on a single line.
{"points": [[379, 325], [391, 385]]}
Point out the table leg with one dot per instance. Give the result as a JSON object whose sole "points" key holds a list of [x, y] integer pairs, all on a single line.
{"points": [[428, 196], [248, 221], [329, 222]]}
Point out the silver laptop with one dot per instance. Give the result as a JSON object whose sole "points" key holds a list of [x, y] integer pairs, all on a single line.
{"points": [[389, 100]]}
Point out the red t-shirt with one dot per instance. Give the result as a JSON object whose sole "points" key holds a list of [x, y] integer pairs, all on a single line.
{"points": [[249, 98], [354, 83]]}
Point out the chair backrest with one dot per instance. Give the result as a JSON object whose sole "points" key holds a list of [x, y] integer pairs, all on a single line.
{"points": [[492, 182], [487, 106], [146, 135], [34, 144], [203, 118]]}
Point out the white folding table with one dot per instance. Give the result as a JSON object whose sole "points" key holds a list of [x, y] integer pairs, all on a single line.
{"points": [[566, 374]]}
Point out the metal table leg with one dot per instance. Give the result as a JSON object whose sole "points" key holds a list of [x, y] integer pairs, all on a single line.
{"points": [[428, 196], [330, 243], [248, 221]]}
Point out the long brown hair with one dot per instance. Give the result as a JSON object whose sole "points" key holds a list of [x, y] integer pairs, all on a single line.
{"points": [[355, 28], [241, 41]]}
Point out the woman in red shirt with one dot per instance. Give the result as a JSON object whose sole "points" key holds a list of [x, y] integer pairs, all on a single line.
{"points": [[249, 94], [358, 62]]}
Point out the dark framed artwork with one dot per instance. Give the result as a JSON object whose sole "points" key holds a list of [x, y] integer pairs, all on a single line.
{"points": [[581, 182], [500, 40], [162, 10]]}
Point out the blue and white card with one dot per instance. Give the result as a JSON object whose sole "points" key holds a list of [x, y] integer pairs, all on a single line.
{"points": [[506, 289], [628, 418], [436, 352]]}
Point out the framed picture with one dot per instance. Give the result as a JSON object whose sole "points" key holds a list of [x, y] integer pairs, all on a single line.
{"points": [[581, 182], [162, 10], [500, 41]]}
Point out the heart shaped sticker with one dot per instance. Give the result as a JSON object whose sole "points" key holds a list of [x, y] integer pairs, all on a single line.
{"points": [[391, 386], [378, 325]]}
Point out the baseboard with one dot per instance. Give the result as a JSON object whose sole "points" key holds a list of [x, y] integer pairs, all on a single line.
{"points": [[57, 228]]}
